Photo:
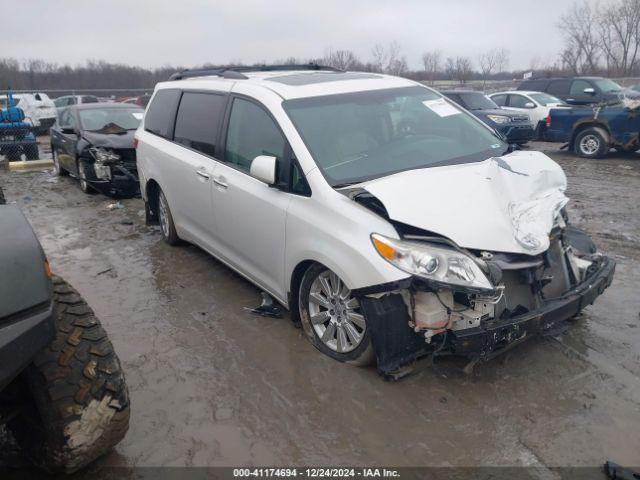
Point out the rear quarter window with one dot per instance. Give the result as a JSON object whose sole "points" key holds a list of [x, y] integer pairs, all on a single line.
{"points": [[198, 121], [161, 112]]}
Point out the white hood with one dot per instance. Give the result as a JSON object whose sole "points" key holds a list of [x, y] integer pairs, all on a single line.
{"points": [[503, 204]]}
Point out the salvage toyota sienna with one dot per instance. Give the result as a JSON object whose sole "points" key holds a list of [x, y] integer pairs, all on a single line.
{"points": [[390, 221]]}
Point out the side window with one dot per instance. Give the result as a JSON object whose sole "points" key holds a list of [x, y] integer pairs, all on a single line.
{"points": [[72, 101], [66, 119], [501, 100], [559, 87], [518, 101], [89, 99], [251, 132], [198, 120], [161, 113], [578, 86]]}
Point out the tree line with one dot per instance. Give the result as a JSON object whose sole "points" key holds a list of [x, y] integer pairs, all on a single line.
{"points": [[598, 39]]}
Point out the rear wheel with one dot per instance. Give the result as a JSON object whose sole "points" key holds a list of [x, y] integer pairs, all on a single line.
{"points": [[165, 219], [78, 404], [332, 319], [3, 201], [591, 143]]}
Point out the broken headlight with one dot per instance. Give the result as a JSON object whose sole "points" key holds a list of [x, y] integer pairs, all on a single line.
{"points": [[103, 159], [103, 155], [432, 262]]}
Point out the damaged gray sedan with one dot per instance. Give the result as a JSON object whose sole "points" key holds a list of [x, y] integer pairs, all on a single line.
{"points": [[390, 221]]}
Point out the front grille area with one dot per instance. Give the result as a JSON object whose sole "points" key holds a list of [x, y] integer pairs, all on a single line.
{"points": [[520, 119]]}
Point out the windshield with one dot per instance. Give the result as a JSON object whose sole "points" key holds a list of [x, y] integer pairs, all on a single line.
{"points": [[477, 101], [360, 136], [607, 85], [97, 119], [544, 99]]}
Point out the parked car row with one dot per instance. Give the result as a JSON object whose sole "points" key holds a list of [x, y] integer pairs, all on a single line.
{"points": [[590, 115]]}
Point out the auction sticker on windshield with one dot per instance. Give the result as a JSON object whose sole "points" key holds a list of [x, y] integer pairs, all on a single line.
{"points": [[137, 116], [441, 107]]}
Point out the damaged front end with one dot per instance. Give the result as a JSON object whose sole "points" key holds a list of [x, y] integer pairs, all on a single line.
{"points": [[112, 171], [517, 296]]}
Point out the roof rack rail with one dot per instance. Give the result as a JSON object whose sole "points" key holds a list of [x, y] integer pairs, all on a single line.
{"points": [[232, 71]]}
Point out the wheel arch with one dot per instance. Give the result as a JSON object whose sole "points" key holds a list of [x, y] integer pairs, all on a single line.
{"points": [[581, 127]]}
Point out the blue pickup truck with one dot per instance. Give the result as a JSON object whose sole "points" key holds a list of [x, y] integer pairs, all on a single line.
{"points": [[591, 131]]}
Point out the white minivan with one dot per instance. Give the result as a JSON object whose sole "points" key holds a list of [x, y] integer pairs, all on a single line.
{"points": [[389, 221]]}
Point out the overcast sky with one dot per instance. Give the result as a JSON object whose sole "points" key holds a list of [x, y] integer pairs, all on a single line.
{"points": [[191, 32]]}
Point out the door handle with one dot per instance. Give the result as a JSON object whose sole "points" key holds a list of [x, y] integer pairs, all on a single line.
{"points": [[220, 181], [203, 174], [571, 99]]}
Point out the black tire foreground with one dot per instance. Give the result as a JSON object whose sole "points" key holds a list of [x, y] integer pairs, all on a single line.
{"points": [[2, 199], [80, 406]]}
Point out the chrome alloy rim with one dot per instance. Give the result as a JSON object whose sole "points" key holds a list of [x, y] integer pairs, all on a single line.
{"points": [[334, 313], [589, 144], [163, 213]]}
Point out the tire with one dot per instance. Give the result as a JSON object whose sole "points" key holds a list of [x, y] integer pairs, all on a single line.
{"points": [[32, 152], [79, 401], [84, 184], [165, 220], [57, 168], [360, 353], [13, 154], [3, 201], [591, 143]]}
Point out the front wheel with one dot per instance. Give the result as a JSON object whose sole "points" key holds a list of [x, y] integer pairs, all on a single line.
{"points": [[82, 178], [332, 318], [591, 143], [78, 403], [57, 168]]}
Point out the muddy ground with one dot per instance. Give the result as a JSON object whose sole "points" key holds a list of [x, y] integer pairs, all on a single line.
{"points": [[212, 384]]}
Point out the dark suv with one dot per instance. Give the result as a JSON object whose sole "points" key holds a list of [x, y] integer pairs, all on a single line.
{"points": [[579, 90], [515, 126]]}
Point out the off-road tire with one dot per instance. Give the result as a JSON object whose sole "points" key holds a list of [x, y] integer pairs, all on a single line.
{"points": [[599, 135], [362, 356], [31, 152], [3, 200], [78, 402], [170, 235]]}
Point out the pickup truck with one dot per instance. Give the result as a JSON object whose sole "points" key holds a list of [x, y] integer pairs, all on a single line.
{"points": [[591, 131]]}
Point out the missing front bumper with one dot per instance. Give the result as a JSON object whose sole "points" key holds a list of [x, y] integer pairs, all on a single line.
{"points": [[396, 345]]}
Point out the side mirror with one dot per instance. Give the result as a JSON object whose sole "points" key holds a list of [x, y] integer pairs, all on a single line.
{"points": [[590, 91], [530, 105], [263, 168]]}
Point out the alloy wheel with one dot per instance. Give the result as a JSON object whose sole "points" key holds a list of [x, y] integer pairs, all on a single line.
{"points": [[163, 215], [589, 144], [335, 313]]}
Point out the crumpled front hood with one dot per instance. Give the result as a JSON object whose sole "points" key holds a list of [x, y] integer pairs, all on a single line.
{"points": [[97, 139], [503, 204]]}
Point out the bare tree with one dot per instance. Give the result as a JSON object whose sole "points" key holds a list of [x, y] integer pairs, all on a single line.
{"points": [[341, 59], [460, 68], [487, 62], [388, 59], [582, 46], [431, 63], [619, 35]]}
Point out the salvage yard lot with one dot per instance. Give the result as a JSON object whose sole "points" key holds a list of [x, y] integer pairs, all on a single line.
{"points": [[212, 384]]}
